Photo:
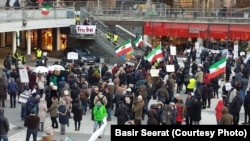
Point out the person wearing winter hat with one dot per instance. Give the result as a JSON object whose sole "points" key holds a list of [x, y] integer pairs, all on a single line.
{"points": [[32, 122], [138, 109]]}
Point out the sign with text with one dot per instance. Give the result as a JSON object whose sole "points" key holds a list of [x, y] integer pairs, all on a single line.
{"points": [[24, 75], [172, 50], [170, 68], [23, 98], [85, 29], [72, 56], [154, 72]]}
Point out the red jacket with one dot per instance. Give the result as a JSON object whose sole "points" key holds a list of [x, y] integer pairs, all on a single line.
{"points": [[179, 115], [218, 109]]}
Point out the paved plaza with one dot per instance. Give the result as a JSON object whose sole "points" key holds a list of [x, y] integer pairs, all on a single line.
{"points": [[18, 131]]}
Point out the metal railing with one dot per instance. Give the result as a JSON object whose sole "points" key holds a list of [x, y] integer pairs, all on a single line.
{"points": [[175, 14], [127, 10], [25, 13]]}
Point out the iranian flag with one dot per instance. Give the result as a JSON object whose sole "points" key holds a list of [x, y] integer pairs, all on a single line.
{"points": [[46, 9], [138, 42], [155, 54], [217, 68], [124, 48]]}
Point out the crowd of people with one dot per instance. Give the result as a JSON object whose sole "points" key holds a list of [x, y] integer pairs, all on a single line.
{"points": [[125, 91]]}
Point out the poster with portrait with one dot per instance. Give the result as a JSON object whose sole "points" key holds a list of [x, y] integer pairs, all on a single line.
{"points": [[24, 75]]}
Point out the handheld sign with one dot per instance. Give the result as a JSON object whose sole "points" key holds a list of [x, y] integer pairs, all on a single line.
{"points": [[24, 75], [72, 56], [170, 68]]}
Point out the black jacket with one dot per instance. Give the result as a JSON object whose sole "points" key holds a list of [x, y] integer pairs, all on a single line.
{"points": [[4, 123]]}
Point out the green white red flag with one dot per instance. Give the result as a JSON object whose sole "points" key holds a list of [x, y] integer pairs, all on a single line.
{"points": [[217, 68], [124, 48], [46, 9], [155, 55], [138, 42]]}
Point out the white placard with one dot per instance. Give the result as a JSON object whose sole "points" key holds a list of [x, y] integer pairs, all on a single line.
{"points": [[170, 68], [24, 75], [235, 51], [23, 98], [228, 86], [172, 50], [72, 56], [154, 72], [85, 29]]}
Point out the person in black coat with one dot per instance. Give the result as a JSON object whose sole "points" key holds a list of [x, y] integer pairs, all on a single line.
{"points": [[77, 110], [236, 107], [121, 112], [196, 111], [247, 108]]}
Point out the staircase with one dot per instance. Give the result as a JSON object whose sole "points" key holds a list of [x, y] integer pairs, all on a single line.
{"points": [[100, 38]]}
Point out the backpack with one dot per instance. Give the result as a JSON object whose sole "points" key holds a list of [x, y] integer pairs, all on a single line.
{"points": [[5, 63], [96, 74], [101, 99]]}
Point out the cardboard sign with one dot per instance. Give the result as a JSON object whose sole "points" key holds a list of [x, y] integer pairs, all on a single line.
{"points": [[72, 56], [228, 86], [23, 98], [172, 50], [24, 75], [170, 68], [154, 72], [85, 29]]}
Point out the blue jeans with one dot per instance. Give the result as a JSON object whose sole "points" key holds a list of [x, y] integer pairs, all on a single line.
{"points": [[33, 132], [109, 113], [97, 123], [85, 105], [4, 137], [242, 94], [23, 112]]}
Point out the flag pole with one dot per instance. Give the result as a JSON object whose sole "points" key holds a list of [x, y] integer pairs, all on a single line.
{"points": [[138, 64]]}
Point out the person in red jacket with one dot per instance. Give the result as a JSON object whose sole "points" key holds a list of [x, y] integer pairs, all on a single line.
{"points": [[218, 111], [181, 110]]}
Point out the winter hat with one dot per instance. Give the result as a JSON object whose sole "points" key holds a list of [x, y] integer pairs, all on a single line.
{"points": [[54, 87], [129, 90], [66, 92], [139, 97]]}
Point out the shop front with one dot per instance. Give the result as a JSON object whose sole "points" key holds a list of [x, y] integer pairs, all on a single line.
{"points": [[39, 38], [210, 35]]}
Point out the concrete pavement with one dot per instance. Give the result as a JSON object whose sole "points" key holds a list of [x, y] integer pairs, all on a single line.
{"points": [[18, 131]]}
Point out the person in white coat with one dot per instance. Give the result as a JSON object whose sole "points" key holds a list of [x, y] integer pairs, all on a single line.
{"points": [[42, 111]]}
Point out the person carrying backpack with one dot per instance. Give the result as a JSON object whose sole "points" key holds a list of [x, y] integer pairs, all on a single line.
{"points": [[102, 98]]}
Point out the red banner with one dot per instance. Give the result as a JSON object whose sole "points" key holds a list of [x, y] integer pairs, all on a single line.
{"points": [[198, 30], [218, 31], [240, 32]]}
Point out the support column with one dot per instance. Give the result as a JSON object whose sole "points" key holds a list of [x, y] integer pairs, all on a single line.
{"points": [[2, 39], [28, 42], [14, 48], [58, 39]]}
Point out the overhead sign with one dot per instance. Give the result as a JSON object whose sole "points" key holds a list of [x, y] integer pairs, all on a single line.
{"points": [[85, 29], [72, 56]]}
